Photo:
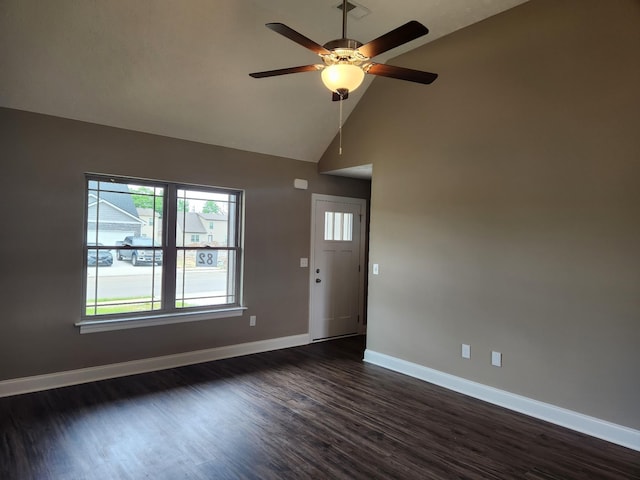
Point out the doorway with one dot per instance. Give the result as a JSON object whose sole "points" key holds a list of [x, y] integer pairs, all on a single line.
{"points": [[338, 232]]}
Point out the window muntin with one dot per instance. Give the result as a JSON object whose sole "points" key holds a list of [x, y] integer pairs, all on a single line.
{"points": [[149, 272]]}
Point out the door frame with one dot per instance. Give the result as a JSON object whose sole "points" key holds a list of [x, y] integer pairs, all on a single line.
{"points": [[362, 202]]}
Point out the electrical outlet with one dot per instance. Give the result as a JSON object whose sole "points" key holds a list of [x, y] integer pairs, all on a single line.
{"points": [[252, 321], [466, 351], [496, 359], [376, 269]]}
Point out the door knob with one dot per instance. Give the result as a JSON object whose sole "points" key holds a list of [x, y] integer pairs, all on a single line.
{"points": [[318, 280]]}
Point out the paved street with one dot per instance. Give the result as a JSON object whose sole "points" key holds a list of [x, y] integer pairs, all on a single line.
{"points": [[122, 280]]}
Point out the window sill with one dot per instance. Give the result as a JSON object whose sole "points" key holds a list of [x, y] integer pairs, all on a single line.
{"points": [[94, 326]]}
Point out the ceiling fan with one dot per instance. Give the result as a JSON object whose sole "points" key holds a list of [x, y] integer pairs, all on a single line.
{"points": [[346, 61]]}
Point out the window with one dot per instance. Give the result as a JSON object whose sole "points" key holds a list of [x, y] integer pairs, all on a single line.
{"points": [[338, 226], [137, 271]]}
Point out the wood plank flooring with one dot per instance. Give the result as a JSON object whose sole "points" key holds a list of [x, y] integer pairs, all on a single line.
{"points": [[313, 412]]}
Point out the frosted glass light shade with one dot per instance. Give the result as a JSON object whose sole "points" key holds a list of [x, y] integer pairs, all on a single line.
{"points": [[342, 75]]}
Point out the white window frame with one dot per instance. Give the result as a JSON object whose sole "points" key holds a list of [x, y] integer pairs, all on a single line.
{"points": [[169, 313]]}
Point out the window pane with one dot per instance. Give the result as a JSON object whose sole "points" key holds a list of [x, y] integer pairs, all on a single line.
{"points": [[205, 277], [119, 215], [123, 289], [206, 215], [117, 210]]}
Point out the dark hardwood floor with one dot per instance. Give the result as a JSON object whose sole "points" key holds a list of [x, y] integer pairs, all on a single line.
{"points": [[311, 412]]}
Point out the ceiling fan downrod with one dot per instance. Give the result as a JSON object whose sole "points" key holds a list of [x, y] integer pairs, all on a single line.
{"points": [[344, 19]]}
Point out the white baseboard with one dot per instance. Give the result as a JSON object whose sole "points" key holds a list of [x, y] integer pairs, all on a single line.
{"points": [[73, 377], [611, 432]]}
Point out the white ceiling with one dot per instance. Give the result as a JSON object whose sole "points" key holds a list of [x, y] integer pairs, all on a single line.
{"points": [[180, 68]]}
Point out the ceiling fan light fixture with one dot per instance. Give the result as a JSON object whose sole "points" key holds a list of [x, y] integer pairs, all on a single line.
{"points": [[342, 76]]}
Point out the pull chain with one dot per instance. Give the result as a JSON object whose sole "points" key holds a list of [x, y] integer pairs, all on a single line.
{"points": [[340, 127]]}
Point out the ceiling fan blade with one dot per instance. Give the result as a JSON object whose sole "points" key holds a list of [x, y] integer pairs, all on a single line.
{"points": [[401, 35], [300, 39], [402, 73], [286, 71]]}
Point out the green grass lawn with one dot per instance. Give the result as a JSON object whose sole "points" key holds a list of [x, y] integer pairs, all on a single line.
{"points": [[114, 308]]}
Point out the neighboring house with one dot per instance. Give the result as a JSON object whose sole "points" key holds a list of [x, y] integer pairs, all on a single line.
{"points": [[217, 228], [116, 213], [202, 229], [150, 217]]}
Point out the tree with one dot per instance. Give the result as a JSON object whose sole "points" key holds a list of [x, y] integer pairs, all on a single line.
{"points": [[143, 197], [211, 207], [183, 205]]}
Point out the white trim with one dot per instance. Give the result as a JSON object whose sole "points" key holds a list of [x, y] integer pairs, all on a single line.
{"points": [[337, 337], [611, 432], [94, 326], [73, 377]]}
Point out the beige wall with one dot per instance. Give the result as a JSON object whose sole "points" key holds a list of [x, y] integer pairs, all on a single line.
{"points": [[506, 205], [43, 164]]}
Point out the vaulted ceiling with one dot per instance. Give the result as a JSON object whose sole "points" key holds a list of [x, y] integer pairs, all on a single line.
{"points": [[180, 68]]}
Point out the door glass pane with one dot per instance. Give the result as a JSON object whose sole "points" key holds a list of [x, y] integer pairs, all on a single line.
{"points": [[347, 226], [328, 225], [338, 226]]}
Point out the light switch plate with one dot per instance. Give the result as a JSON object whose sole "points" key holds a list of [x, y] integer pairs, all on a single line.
{"points": [[496, 359], [466, 351], [304, 262], [376, 270]]}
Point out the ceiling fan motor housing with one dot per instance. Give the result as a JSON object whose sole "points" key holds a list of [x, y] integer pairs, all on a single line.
{"points": [[342, 43], [344, 50]]}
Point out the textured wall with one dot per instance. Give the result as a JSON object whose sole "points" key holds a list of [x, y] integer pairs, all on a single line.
{"points": [[506, 205]]}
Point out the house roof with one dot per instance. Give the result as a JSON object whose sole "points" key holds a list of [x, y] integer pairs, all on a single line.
{"points": [[180, 69], [213, 216], [146, 212], [114, 194], [190, 223]]}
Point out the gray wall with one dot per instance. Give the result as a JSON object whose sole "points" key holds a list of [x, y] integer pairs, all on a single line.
{"points": [[43, 164], [506, 205]]}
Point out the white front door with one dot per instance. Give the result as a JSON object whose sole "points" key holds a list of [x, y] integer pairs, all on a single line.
{"points": [[337, 266]]}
